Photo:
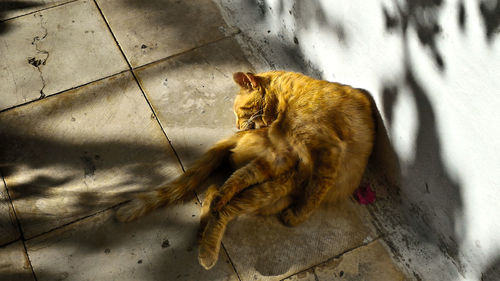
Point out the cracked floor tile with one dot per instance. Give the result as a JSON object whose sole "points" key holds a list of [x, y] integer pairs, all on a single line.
{"points": [[193, 95], [55, 50], [160, 246], [371, 262], [262, 248], [8, 226], [79, 152], [151, 30], [14, 264]]}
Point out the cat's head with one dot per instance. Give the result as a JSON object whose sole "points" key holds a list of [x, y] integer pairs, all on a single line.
{"points": [[250, 103]]}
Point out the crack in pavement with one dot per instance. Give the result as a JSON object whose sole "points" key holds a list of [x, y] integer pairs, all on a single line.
{"points": [[42, 55]]}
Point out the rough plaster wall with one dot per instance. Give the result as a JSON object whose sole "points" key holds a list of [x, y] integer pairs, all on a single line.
{"points": [[433, 67]]}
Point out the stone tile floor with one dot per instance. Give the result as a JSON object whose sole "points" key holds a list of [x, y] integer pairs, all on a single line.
{"points": [[103, 98]]}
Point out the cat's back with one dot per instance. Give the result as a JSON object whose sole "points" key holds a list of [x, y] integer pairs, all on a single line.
{"points": [[325, 114], [313, 96], [315, 104]]}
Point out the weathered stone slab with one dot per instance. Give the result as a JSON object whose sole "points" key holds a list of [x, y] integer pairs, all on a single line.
{"points": [[14, 264], [261, 248], [71, 155], [54, 50], [8, 226], [370, 262], [193, 95], [161, 246], [151, 30]]}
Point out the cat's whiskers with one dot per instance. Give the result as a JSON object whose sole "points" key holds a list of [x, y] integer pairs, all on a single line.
{"points": [[250, 121]]}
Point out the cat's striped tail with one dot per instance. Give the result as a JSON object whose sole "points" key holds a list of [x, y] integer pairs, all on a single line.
{"points": [[183, 187]]}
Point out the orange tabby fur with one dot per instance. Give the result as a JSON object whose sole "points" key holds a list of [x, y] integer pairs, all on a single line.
{"points": [[327, 127], [266, 198], [331, 132], [319, 138]]}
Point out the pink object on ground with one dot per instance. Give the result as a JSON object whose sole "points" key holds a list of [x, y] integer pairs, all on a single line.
{"points": [[365, 195]]}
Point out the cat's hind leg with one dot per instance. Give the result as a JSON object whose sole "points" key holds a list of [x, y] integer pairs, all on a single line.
{"points": [[205, 208], [324, 177], [259, 170], [250, 200]]}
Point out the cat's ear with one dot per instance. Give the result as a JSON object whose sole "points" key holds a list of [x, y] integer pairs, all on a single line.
{"points": [[253, 79], [241, 79], [247, 81]]}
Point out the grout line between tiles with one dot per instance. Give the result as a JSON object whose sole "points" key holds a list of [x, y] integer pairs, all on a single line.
{"points": [[334, 257], [10, 242], [114, 74], [77, 220], [316, 278], [18, 223], [130, 68], [139, 85], [231, 261], [186, 51], [37, 11], [29, 260], [63, 91], [158, 120]]}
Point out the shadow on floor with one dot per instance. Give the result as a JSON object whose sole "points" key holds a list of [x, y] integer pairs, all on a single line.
{"points": [[10, 6]]}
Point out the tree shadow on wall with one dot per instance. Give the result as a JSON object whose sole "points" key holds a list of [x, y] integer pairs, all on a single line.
{"points": [[431, 197], [423, 16], [284, 48], [426, 179], [490, 11], [492, 271]]}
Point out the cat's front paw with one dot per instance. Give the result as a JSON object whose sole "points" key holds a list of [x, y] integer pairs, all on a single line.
{"points": [[289, 218]]}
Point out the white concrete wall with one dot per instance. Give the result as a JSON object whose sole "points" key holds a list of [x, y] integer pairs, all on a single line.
{"points": [[433, 67]]}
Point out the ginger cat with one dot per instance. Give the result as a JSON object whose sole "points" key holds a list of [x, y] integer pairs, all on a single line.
{"points": [[315, 144], [327, 127]]}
